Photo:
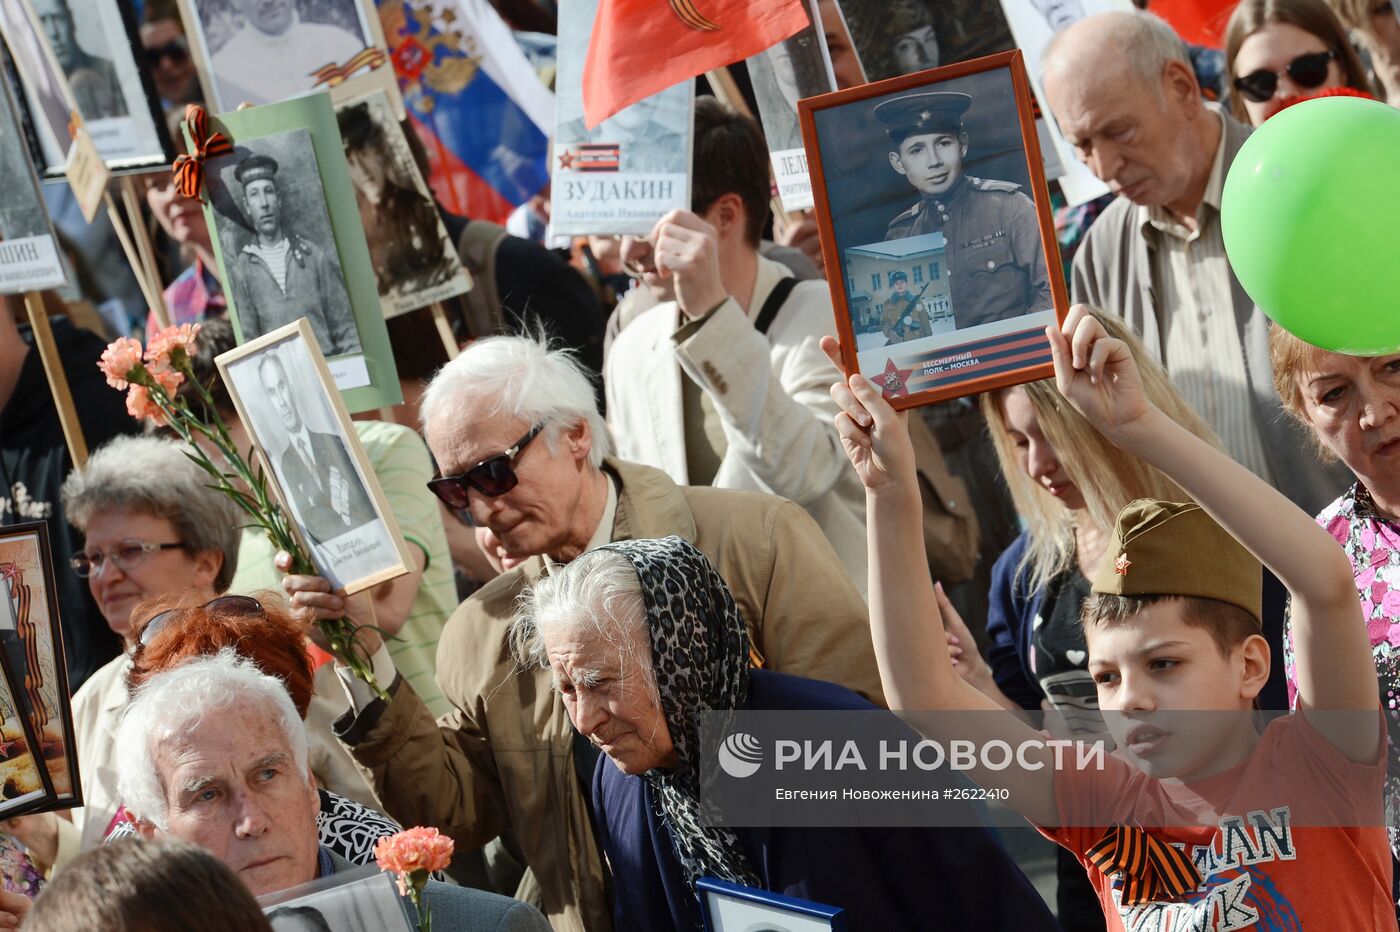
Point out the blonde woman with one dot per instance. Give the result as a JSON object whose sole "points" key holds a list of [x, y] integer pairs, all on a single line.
{"points": [[1068, 484]]}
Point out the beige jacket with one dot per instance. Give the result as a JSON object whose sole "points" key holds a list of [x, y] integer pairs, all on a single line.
{"points": [[503, 759], [773, 396]]}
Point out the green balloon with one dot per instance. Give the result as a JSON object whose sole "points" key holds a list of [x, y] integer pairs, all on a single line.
{"points": [[1311, 219]]}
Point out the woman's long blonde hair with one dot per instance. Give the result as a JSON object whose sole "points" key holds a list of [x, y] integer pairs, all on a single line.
{"points": [[1106, 476]]}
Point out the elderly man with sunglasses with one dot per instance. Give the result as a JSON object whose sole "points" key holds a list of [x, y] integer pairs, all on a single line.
{"points": [[523, 450], [1123, 91]]}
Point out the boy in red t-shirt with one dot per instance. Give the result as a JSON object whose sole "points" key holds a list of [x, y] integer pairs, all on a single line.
{"points": [[1199, 821]]}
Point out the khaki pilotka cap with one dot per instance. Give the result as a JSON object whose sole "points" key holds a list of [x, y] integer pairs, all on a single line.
{"points": [[1175, 549]]}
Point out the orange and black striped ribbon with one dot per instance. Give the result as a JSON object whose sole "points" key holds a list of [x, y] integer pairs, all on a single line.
{"points": [[1151, 870], [692, 17], [332, 74], [189, 169]]}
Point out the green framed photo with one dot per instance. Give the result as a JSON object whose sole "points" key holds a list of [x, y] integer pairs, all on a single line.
{"points": [[290, 244]]}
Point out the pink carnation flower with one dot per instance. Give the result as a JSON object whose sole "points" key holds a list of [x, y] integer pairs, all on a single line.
{"points": [[411, 851], [139, 405], [164, 343], [120, 357]]}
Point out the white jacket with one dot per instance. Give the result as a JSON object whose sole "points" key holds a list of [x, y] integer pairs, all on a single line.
{"points": [[773, 397]]}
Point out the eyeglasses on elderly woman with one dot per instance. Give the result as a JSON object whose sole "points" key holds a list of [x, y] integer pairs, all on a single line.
{"points": [[124, 556]]}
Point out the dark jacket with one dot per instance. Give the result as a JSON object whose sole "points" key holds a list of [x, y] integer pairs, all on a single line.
{"points": [[310, 493], [315, 290], [1013, 608], [887, 879], [33, 464]]}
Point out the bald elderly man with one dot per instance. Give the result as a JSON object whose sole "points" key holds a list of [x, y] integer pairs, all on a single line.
{"points": [[1123, 91]]}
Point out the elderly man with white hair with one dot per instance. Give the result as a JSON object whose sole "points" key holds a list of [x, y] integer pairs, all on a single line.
{"points": [[1125, 95], [516, 432], [214, 753]]}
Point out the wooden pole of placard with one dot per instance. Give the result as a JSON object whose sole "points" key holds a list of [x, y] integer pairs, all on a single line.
{"points": [[727, 91], [444, 329], [133, 256], [58, 380], [145, 249]]}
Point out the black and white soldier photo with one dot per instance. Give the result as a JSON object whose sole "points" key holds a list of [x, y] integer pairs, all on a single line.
{"points": [[278, 247], [86, 61], [262, 51], [39, 88], [897, 37], [415, 262], [366, 904]]}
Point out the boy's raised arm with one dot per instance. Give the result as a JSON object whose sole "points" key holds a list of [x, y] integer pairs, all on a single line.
{"points": [[905, 625], [1335, 671]]}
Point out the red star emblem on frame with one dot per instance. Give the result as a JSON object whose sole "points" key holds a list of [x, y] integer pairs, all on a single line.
{"points": [[894, 381], [566, 159]]}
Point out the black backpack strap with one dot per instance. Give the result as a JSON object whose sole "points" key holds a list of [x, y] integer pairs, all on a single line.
{"points": [[770, 308]]}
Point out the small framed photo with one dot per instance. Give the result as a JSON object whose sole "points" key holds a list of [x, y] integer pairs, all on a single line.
{"points": [[264, 51], [32, 640], [731, 907], [936, 229], [96, 46], [29, 257], [415, 263], [290, 244], [363, 900], [283, 391], [910, 36]]}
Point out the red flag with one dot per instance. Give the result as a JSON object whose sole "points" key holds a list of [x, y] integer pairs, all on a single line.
{"points": [[641, 47]]}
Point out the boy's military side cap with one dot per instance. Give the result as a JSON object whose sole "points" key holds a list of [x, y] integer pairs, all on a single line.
{"points": [[929, 112], [898, 275], [255, 168], [1174, 549]]}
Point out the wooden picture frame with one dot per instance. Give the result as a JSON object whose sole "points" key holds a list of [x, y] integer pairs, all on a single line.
{"points": [[29, 251], [313, 459], [31, 639], [961, 193], [732, 907], [222, 93]]}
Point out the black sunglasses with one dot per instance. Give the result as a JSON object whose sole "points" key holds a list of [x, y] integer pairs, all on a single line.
{"points": [[1307, 71], [236, 606], [490, 477], [177, 50]]}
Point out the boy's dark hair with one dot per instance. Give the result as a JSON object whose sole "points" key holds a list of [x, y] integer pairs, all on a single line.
{"points": [[1228, 625], [730, 158]]}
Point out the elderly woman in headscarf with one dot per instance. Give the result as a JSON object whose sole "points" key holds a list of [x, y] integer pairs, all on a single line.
{"points": [[643, 637]]}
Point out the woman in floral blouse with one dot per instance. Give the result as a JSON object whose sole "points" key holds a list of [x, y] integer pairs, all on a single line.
{"points": [[1352, 404]]}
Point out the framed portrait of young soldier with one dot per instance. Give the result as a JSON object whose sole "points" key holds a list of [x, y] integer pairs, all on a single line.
{"points": [[288, 403], [264, 51], [936, 229], [290, 244]]}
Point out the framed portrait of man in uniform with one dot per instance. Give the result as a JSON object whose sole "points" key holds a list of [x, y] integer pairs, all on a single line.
{"points": [[286, 399], [936, 229]]}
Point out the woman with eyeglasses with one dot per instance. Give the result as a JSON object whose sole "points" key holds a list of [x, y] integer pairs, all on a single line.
{"points": [[152, 527], [1280, 51]]}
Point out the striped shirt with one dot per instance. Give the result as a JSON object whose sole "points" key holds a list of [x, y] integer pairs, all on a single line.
{"points": [[1196, 313], [275, 257]]}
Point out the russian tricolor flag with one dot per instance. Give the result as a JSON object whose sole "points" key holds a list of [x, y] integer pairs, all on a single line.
{"points": [[476, 102]]}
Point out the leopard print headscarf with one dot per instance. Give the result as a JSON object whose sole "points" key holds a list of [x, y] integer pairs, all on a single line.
{"points": [[700, 656]]}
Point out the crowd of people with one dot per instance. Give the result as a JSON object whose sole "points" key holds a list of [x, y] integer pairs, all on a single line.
{"points": [[619, 523]]}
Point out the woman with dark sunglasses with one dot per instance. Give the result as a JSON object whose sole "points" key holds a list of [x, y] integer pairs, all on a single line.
{"points": [[1280, 51]]}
